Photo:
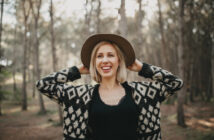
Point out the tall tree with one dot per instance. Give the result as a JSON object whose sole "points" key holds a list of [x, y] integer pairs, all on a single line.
{"points": [[1, 18], [88, 16], [190, 51], [14, 52], [212, 70], [26, 12], [123, 21], [98, 16], [165, 54], [206, 29], [139, 37], [54, 58], [35, 7], [88, 26], [180, 110]]}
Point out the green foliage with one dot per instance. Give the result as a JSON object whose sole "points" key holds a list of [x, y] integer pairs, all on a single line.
{"points": [[4, 94], [5, 90], [5, 74], [17, 97], [9, 95]]}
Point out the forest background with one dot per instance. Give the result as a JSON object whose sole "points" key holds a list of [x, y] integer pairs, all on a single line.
{"points": [[38, 37]]}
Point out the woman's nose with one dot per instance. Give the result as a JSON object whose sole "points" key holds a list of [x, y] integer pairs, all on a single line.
{"points": [[105, 59]]}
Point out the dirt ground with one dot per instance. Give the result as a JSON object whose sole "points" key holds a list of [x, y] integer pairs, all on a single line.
{"points": [[30, 125]]}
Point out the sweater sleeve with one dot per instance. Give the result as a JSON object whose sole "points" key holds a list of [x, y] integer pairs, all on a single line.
{"points": [[53, 85], [169, 83]]}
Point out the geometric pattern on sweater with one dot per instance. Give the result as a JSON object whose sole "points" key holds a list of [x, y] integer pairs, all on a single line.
{"points": [[145, 96], [75, 100], [75, 111]]}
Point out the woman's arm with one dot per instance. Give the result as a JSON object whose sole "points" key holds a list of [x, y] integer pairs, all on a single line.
{"points": [[53, 84], [169, 82]]}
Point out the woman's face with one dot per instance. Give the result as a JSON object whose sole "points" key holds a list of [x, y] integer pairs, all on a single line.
{"points": [[107, 61]]}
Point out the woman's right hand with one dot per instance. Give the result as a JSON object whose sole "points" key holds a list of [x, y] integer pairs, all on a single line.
{"points": [[83, 69]]}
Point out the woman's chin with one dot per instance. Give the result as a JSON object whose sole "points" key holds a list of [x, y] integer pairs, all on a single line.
{"points": [[107, 75]]}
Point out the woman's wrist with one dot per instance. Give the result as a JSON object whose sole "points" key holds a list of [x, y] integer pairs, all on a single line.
{"points": [[82, 69], [136, 66], [140, 66]]}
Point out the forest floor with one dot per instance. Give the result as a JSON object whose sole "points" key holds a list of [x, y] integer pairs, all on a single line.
{"points": [[30, 125]]}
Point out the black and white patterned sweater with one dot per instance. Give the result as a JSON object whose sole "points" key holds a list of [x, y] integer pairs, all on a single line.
{"points": [[76, 99]]}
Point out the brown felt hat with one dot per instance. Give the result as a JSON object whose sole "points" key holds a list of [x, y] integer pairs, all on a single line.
{"points": [[120, 41]]}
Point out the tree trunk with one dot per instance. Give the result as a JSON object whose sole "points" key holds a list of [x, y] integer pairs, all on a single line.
{"points": [[34, 81], [180, 111], [0, 108], [206, 64], [54, 58], [139, 42], [88, 17], [1, 18], [88, 27], [190, 53], [29, 48], [123, 21], [122, 29], [34, 72], [213, 71], [165, 54], [98, 16], [34, 62], [36, 15], [14, 64], [14, 55], [41, 102], [24, 93], [24, 67]]}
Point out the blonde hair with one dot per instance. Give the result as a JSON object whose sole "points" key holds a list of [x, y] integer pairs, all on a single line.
{"points": [[121, 71]]}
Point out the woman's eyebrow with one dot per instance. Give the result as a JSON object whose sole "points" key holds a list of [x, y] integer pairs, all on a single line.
{"points": [[103, 52], [100, 53]]}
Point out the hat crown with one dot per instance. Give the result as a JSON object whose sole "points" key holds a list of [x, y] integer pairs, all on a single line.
{"points": [[123, 44]]}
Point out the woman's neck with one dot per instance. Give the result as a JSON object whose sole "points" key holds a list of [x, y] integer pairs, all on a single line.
{"points": [[109, 83]]}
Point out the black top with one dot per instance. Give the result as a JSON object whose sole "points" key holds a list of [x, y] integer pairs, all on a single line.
{"points": [[113, 122]]}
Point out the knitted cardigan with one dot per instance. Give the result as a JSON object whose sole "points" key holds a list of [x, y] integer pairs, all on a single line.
{"points": [[75, 100]]}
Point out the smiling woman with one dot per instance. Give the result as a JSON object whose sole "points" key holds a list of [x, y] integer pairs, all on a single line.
{"points": [[113, 109], [106, 59]]}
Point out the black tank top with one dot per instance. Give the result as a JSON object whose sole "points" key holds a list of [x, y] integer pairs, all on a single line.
{"points": [[113, 122]]}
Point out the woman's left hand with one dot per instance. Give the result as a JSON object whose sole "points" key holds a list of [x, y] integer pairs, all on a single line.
{"points": [[136, 66]]}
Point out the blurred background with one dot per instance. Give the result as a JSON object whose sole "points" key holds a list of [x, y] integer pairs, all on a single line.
{"points": [[38, 37]]}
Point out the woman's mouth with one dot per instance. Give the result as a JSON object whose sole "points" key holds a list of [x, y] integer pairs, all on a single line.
{"points": [[106, 69]]}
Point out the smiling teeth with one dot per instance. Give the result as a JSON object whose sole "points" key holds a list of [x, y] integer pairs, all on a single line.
{"points": [[105, 68]]}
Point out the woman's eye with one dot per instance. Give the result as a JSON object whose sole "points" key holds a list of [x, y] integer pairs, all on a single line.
{"points": [[111, 55], [99, 56]]}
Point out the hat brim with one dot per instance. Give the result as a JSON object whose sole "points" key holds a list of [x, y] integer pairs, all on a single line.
{"points": [[121, 42]]}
